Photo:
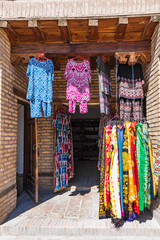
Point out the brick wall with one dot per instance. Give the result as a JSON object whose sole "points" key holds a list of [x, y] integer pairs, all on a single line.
{"points": [[152, 77], [9, 77]]}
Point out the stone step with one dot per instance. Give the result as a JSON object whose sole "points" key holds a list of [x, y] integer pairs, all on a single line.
{"points": [[18, 237], [78, 228]]}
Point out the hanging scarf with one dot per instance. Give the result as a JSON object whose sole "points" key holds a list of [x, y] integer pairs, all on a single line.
{"points": [[132, 130], [147, 176], [154, 183], [102, 212], [114, 178], [157, 161], [131, 196], [120, 149], [125, 172], [141, 164], [108, 133]]}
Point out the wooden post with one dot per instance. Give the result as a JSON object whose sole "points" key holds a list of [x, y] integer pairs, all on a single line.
{"points": [[36, 168]]}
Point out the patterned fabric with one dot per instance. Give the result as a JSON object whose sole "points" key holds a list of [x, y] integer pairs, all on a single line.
{"points": [[157, 161], [141, 163], [120, 149], [132, 129], [78, 76], [127, 106], [130, 88], [102, 212], [62, 153], [147, 176], [70, 162], [114, 178], [107, 167], [102, 124], [40, 86], [154, 180], [125, 172], [105, 90]]}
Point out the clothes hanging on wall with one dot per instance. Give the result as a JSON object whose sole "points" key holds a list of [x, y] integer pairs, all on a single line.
{"points": [[78, 76], [126, 180], [105, 90], [157, 162], [130, 91], [40, 87], [64, 166]]}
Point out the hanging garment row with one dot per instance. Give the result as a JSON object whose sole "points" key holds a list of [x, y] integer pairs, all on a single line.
{"points": [[127, 182], [78, 75]]}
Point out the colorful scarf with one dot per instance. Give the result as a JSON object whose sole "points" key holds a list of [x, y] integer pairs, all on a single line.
{"points": [[107, 166], [114, 178], [154, 183], [125, 172], [120, 149], [157, 161], [132, 130], [102, 212], [141, 163], [147, 175]]}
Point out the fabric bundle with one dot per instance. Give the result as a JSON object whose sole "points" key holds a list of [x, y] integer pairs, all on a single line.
{"points": [[127, 182], [64, 168]]}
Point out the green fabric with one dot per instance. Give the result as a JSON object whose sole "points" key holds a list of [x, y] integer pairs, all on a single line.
{"points": [[147, 175], [141, 164]]}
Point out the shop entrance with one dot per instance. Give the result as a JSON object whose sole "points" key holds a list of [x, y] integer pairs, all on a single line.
{"points": [[85, 132]]}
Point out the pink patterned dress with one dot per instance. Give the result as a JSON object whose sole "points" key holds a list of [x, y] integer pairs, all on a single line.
{"points": [[78, 76]]}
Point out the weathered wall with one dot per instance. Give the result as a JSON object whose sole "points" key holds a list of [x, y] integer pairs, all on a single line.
{"points": [[152, 78], [9, 77], [54, 9]]}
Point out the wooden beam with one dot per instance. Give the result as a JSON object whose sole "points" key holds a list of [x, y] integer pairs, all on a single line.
{"points": [[11, 33], [34, 25], [149, 29], [121, 57], [93, 30], [19, 93], [121, 29], [64, 29], [84, 49]]}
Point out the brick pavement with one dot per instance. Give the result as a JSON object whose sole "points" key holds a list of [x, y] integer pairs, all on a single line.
{"points": [[71, 215]]}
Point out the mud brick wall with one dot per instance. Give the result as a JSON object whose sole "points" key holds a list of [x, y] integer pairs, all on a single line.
{"points": [[152, 78], [9, 77]]}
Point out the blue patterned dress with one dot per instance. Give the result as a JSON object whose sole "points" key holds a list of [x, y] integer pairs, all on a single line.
{"points": [[40, 87]]}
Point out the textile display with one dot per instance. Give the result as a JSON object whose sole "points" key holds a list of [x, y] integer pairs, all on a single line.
{"points": [[105, 90], [127, 182], [40, 87], [64, 149], [130, 91], [157, 162], [102, 124], [78, 76]]}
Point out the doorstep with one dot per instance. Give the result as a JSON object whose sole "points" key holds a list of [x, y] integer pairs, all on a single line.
{"points": [[72, 215]]}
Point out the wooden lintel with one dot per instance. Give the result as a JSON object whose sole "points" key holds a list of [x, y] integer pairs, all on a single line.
{"points": [[149, 29], [19, 93], [145, 57], [34, 25], [64, 29], [83, 49], [11, 33], [15, 60], [121, 29]]}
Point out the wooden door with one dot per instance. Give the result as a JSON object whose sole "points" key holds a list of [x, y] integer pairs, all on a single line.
{"points": [[32, 159]]}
